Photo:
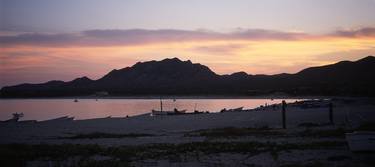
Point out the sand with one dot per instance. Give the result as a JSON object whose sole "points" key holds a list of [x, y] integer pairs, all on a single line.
{"points": [[173, 129], [168, 128]]}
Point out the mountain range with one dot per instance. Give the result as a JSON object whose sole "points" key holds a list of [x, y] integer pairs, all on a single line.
{"points": [[176, 77]]}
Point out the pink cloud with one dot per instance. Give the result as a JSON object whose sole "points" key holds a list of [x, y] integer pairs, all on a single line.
{"points": [[140, 36]]}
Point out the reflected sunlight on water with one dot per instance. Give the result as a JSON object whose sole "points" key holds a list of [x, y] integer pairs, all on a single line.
{"points": [[42, 109]]}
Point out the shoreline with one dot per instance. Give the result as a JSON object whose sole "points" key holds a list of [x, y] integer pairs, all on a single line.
{"points": [[194, 139], [141, 97]]}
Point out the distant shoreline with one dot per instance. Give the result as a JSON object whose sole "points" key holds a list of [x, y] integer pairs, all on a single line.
{"points": [[186, 97]]}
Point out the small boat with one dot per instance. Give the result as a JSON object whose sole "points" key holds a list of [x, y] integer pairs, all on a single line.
{"points": [[60, 119], [197, 111], [237, 109], [156, 112], [174, 112], [361, 140], [232, 110], [75, 100], [161, 112]]}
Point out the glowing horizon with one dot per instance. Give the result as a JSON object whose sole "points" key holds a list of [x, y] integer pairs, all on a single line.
{"points": [[41, 41], [25, 56]]}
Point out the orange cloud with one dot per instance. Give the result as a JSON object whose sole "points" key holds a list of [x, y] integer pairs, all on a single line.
{"points": [[42, 57]]}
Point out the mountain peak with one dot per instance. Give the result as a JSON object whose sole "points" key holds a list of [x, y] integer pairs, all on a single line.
{"points": [[163, 70], [174, 76], [81, 80], [175, 60], [84, 78], [369, 58], [166, 61], [240, 74], [172, 59]]}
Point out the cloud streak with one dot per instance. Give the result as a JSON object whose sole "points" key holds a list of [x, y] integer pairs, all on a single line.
{"points": [[363, 32], [141, 36], [95, 52], [130, 37]]}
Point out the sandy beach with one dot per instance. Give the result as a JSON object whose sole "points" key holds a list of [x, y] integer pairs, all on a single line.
{"points": [[305, 126]]}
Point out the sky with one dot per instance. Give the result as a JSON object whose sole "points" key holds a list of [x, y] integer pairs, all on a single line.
{"points": [[42, 40]]}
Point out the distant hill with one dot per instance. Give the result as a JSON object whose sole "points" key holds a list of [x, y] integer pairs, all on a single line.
{"points": [[176, 77]]}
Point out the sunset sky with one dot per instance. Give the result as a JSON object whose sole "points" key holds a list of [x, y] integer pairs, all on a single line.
{"points": [[42, 40]]}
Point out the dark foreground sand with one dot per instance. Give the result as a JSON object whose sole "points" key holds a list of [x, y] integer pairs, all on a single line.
{"points": [[252, 138]]}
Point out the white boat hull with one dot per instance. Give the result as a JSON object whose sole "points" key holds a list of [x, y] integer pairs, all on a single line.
{"points": [[155, 112]]}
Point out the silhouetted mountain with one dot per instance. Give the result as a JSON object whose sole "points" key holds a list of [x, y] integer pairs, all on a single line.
{"points": [[173, 76]]}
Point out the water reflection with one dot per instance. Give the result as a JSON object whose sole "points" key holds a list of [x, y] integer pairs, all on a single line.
{"points": [[42, 109]]}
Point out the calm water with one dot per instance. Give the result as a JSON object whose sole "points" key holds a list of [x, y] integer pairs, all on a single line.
{"points": [[43, 109]]}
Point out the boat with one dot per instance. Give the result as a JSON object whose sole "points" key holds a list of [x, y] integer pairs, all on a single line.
{"points": [[60, 119], [232, 110], [174, 112], [197, 111], [161, 112], [361, 140], [75, 100]]}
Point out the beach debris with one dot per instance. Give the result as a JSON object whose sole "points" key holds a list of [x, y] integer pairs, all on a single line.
{"points": [[15, 118], [17, 115]]}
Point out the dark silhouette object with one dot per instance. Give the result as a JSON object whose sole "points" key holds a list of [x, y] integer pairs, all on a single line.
{"points": [[283, 106], [173, 76], [15, 118], [330, 106], [161, 105]]}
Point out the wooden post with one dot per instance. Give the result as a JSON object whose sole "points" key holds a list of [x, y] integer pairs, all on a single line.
{"points": [[161, 105], [283, 114], [330, 106]]}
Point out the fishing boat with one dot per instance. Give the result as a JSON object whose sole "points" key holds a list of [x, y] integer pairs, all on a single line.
{"points": [[361, 140], [174, 112], [161, 112]]}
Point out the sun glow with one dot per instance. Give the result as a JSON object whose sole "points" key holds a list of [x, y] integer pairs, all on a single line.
{"points": [[222, 56]]}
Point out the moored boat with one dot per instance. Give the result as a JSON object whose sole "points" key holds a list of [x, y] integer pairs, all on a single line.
{"points": [[161, 112], [174, 112], [60, 119]]}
